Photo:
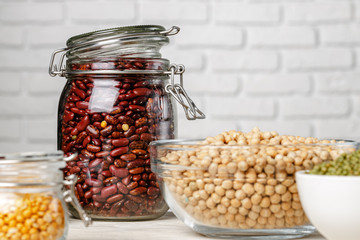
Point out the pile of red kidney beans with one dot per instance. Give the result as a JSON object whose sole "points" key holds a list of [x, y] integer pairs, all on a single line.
{"points": [[113, 161]]}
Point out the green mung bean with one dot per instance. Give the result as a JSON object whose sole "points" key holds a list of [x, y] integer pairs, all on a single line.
{"points": [[345, 165]]}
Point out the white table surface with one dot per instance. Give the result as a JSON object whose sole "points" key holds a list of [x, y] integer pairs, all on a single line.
{"points": [[168, 227]]}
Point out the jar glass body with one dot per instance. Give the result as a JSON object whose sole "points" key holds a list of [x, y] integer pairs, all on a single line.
{"points": [[108, 120], [31, 196]]}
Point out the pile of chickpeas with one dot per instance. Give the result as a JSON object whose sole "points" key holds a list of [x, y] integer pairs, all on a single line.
{"points": [[248, 186], [31, 217]]}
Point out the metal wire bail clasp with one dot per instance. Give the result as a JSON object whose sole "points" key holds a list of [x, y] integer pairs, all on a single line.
{"points": [[57, 69], [69, 197], [178, 92]]}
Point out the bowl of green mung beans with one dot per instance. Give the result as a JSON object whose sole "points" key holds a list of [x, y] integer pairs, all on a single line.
{"points": [[330, 196]]}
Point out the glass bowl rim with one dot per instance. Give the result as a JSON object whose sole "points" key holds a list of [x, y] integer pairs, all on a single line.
{"points": [[178, 144]]}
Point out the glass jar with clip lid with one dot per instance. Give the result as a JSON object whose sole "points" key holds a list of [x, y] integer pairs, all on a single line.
{"points": [[119, 97], [32, 196]]}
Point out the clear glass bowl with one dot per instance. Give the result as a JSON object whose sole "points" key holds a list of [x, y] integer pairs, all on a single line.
{"points": [[238, 191]]}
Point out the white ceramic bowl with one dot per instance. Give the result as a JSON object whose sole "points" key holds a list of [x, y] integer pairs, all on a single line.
{"points": [[332, 204]]}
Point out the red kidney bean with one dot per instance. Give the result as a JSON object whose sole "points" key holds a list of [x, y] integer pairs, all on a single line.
{"points": [[137, 108], [96, 142], [119, 172], [137, 170], [138, 145], [117, 110], [141, 84], [140, 122], [136, 177], [82, 105], [97, 117], [139, 65], [86, 141], [128, 157], [75, 169], [92, 131], [120, 142], [146, 137], [106, 173], [153, 191], [130, 131], [83, 123], [88, 194], [78, 111], [138, 191], [79, 190], [117, 135], [97, 125], [141, 91], [74, 98], [81, 164], [111, 180], [97, 204], [152, 177], [141, 130], [93, 148], [95, 190], [79, 92], [124, 103], [85, 186], [111, 120], [75, 131], [152, 183], [145, 176], [119, 163], [126, 180], [119, 151], [126, 119], [102, 154], [115, 198], [139, 152], [116, 207], [88, 154], [81, 85], [106, 147], [134, 138], [93, 182], [94, 163], [99, 198], [108, 191], [132, 185], [143, 183], [139, 101], [122, 188], [68, 116], [136, 163], [106, 131]]}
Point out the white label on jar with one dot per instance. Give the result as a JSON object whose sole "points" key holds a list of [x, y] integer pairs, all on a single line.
{"points": [[103, 96]]}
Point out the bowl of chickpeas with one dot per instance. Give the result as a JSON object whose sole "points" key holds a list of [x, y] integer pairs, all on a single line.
{"points": [[240, 184]]}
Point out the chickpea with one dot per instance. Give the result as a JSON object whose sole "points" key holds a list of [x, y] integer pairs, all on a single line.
{"points": [[230, 194], [235, 203], [256, 199], [248, 189]]}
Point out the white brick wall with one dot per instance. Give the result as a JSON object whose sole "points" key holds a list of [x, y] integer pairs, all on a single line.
{"points": [[290, 66]]}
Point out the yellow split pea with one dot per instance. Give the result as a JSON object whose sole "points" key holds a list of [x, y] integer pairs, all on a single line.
{"points": [[32, 217]]}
